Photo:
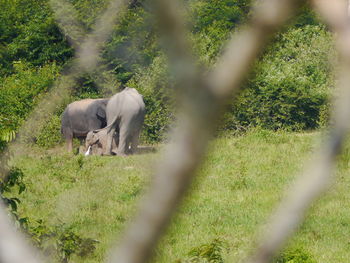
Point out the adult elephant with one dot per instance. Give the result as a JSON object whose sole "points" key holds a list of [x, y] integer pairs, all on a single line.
{"points": [[125, 115], [82, 116]]}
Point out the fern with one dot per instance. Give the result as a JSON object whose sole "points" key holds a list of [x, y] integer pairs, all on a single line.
{"points": [[7, 135]]}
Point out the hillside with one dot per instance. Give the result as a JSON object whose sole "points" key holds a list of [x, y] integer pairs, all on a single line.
{"points": [[73, 207], [289, 87], [237, 188]]}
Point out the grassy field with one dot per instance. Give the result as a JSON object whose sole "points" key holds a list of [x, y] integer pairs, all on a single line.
{"points": [[237, 188]]}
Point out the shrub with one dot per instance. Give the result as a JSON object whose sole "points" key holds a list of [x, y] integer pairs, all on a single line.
{"points": [[14, 178], [60, 241], [11, 180], [291, 84], [206, 253], [20, 92], [50, 135], [28, 32], [133, 44], [295, 255], [213, 22], [153, 85]]}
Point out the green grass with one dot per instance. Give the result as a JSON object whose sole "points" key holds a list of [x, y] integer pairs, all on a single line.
{"points": [[237, 188]]}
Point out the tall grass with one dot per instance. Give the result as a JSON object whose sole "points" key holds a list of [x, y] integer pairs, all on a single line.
{"points": [[238, 186]]}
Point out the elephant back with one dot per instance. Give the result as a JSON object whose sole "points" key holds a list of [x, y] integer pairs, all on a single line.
{"points": [[125, 104], [84, 115]]}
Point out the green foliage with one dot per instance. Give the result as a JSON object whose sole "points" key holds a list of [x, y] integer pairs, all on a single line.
{"points": [[88, 10], [29, 33], [289, 87], [209, 14], [7, 135], [14, 178], [50, 134], [60, 242], [154, 85], [213, 22], [291, 84], [207, 253], [11, 181], [20, 92], [132, 45], [306, 16], [241, 181], [85, 88], [295, 255]]}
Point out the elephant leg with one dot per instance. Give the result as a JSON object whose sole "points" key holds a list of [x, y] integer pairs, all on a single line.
{"points": [[69, 140], [110, 135], [82, 147], [69, 143], [115, 143], [123, 146], [134, 142]]}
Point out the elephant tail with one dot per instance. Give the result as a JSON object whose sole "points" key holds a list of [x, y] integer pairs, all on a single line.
{"points": [[108, 127]]}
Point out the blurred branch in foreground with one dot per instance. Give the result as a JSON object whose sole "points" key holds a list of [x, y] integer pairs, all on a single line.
{"points": [[12, 247], [317, 177], [201, 100]]}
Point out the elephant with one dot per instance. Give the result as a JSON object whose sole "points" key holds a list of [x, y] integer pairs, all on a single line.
{"points": [[82, 116], [97, 141], [125, 115]]}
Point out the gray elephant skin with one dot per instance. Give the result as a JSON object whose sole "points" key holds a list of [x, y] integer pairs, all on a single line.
{"points": [[125, 115], [82, 116], [97, 140]]}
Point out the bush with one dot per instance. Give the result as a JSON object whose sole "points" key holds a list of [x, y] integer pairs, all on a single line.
{"points": [[291, 84], [50, 135], [206, 253], [289, 87], [153, 85], [28, 32], [218, 13], [213, 22], [61, 241], [21, 91], [11, 180], [295, 255], [133, 44]]}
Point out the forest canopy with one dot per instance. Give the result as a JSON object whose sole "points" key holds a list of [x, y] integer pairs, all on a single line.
{"points": [[288, 89]]}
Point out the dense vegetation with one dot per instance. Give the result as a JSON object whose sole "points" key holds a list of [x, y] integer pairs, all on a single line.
{"points": [[288, 89]]}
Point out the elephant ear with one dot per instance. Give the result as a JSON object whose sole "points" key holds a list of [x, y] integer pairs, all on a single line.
{"points": [[95, 138], [101, 112], [92, 138]]}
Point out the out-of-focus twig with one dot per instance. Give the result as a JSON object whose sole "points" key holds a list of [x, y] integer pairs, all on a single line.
{"points": [[86, 59], [66, 17], [317, 177], [13, 247], [89, 46], [201, 104]]}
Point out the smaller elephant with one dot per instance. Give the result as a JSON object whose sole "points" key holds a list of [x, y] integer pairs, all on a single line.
{"points": [[96, 142]]}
